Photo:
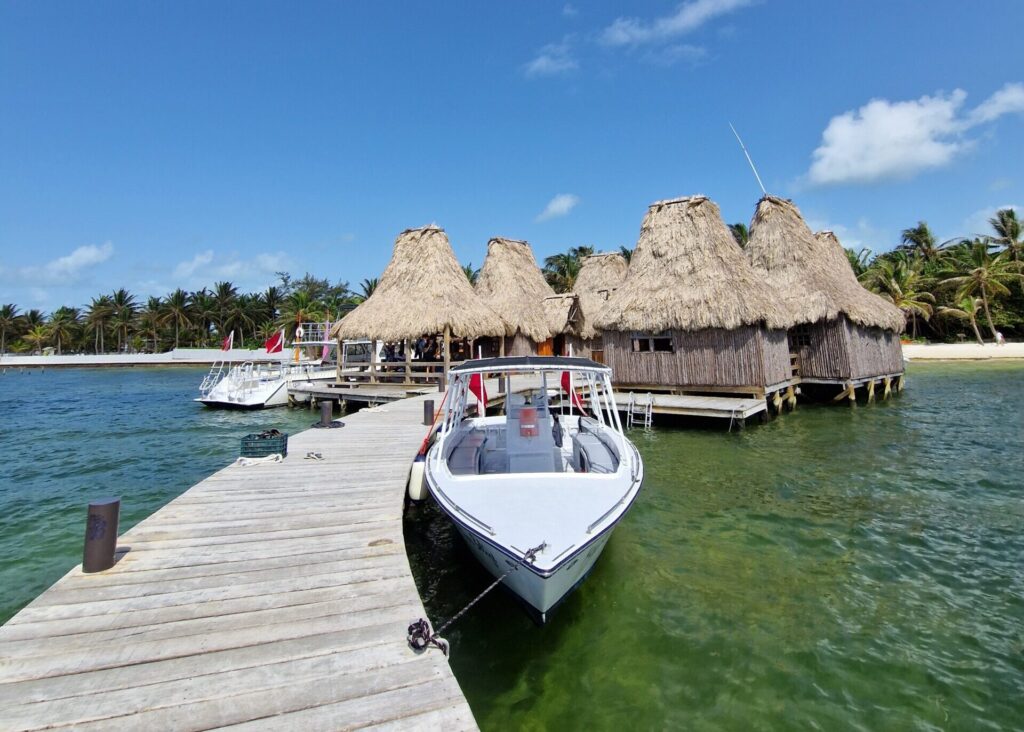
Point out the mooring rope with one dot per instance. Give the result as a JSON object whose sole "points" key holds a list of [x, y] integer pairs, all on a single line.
{"points": [[421, 635]]}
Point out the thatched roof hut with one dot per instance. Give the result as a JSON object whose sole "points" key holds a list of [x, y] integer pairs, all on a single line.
{"points": [[687, 273], [599, 276], [423, 290], [814, 282], [512, 284], [563, 311]]}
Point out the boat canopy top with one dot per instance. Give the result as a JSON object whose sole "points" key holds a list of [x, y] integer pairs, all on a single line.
{"points": [[530, 363]]}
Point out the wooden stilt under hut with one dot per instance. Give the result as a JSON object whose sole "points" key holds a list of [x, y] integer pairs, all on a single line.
{"points": [[692, 316], [598, 278], [422, 292], [844, 337], [512, 284]]}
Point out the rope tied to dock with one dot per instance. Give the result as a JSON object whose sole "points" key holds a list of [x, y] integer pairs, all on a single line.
{"points": [[421, 635]]}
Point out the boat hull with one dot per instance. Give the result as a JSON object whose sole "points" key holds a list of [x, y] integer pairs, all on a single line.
{"points": [[542, 593]]}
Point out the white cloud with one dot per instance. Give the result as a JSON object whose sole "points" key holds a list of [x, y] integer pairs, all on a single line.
{"points": [[1008, 100], [569, 10], [208, 267], [558, 206], [977, 223], [670, 55], [688, 17], [886, 139], [64, 270], [552, 60]]}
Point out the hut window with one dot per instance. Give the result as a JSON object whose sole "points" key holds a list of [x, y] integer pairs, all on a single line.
{"points": [[651, 343], [799, 336]]}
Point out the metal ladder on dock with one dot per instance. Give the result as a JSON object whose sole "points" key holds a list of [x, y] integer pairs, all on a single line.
{"points": [[642, 410]]}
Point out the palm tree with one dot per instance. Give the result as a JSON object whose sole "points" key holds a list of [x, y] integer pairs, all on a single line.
{"points": [[1008, 232], [272, 301], [9, 322], [471, 274], [986, 275], [224, 294], [37, 337], [367, 287], [64, 324], [150, 319], [124, 306], [919, 240], [99, 312], [177, 311], [898, 279], [561, 270], [858, 260], [32, 318], [967, 309], [204, 309], [740, 233], [298, 308], [626, 253]]}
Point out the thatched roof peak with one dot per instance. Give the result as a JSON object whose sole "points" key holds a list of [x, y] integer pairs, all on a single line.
{"points": [[422, 290], [813, 276], [688, 273], [512, 284], [598, 277]]}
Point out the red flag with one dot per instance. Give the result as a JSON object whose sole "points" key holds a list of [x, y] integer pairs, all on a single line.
{"points": [[566, 387], [275, 344], [476, 385], [228, 342]]}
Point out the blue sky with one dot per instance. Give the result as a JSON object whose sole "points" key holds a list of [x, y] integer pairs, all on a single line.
{"points": [[155, 145]]}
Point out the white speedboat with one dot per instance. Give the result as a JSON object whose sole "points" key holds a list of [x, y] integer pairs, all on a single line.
{"points": [[536, 492], [255, 385], [251, 385]]}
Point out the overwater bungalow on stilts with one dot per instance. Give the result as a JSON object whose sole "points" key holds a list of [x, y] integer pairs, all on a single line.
{"points": [[843, 337], [692, 316], [599, 276], [513, 286], [423, 291]]}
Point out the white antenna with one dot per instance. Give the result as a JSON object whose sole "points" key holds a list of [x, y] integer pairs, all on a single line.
{"points": [[744, 148]]}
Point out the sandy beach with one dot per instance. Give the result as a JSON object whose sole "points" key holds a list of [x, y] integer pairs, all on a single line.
{"points": [[962, 351]]}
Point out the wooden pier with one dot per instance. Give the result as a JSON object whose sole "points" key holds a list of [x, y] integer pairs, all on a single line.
{"points": [[274, 596]]}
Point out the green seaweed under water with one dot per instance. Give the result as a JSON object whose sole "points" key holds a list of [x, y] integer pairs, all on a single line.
{"points": [[838, 568]]}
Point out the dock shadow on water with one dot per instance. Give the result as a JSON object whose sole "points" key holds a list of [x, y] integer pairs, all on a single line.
{"points": [[838, 568]]}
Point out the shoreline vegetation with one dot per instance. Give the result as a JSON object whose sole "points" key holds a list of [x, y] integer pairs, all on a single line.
{"points": [[954, 292]]}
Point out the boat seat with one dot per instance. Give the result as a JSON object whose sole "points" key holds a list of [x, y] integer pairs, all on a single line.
{"points": [[467, 456], [592, 455]]}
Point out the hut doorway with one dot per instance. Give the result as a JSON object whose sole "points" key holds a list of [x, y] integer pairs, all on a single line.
{"points": [[559, 345], [546, 348]]}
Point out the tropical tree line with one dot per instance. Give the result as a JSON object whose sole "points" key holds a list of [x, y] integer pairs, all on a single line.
{"points": [[965, 287], [121, 322]]}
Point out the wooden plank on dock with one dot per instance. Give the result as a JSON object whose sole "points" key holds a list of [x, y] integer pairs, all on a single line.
{"points": [[689, 405], [273, 596]]}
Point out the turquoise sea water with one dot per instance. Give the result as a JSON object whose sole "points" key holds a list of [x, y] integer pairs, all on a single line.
{"points": [[835, 569], [73, 435]]}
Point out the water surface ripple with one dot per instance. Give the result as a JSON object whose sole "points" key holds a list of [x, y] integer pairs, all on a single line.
{"points": [[836, 569]]}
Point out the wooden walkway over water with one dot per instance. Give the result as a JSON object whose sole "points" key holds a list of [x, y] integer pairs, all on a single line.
{"points": [[268, 597]]}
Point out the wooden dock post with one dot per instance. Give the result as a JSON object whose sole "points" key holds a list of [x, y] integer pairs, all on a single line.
{"points": [[791, 397], [100, 535], [428, 412], [899, 383], [871, 391]]}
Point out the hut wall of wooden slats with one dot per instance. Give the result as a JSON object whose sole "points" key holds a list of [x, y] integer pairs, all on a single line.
{"points": [[520, 345], [748, 356], [839, 349], [873, 351]]}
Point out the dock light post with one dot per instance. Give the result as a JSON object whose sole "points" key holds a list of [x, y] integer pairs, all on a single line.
{"points": [[428, 412], [101, 535]]}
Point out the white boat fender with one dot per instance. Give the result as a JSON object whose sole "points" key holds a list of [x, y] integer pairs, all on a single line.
{"points": [[417, 478]]}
